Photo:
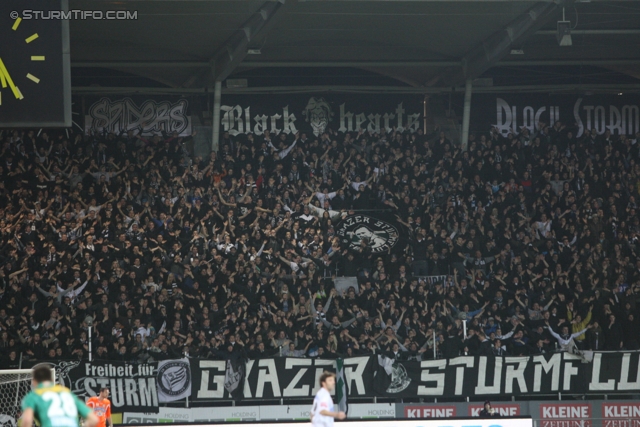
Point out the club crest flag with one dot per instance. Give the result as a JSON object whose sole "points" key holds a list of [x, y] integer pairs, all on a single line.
{"points": [[174, 380]]}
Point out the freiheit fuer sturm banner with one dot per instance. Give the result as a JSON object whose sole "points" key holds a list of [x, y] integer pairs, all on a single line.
{"points": [[134, 387], [462, 376]]}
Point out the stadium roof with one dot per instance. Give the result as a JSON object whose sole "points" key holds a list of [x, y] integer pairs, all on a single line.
{"points": [[420, 43]]}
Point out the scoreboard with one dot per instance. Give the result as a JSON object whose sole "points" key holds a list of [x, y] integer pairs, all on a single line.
{"points": [[35, 79]]}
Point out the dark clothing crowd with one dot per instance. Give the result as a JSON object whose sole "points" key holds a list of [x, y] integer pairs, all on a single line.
{"points": [[513, 244]]}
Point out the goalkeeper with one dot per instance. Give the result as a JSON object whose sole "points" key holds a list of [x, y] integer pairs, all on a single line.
{"points": [[52, 405]]}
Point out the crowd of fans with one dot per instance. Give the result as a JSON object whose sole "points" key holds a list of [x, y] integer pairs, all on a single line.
{"points": [[534, 237]]}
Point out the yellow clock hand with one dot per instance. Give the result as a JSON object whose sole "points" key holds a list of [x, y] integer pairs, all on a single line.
{"points": [[7, 77], [3, 79]]}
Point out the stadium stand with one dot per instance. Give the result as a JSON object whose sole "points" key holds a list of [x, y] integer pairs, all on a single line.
{"points": [[533, 237]]}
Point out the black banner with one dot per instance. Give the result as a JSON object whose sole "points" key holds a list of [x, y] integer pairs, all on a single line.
{"points": [[279, 378], [380, 230], [504, 376], [510, 112], [133, 387], [145, 116], [369, 376], [315, 113]]}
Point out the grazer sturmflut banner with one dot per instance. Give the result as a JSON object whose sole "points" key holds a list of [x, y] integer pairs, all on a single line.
{"points": [[133, 386], [142, 116], [369, 376], [279, 377], [618, 114], [314, 114], [505, 376]]}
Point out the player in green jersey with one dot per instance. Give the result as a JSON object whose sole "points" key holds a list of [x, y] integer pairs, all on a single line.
{"points": [[53, 405]]}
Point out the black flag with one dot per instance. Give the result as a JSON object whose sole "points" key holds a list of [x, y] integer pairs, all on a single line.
{"points": [[381, 231]]}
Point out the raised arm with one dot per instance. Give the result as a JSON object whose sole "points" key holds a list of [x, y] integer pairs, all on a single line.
{"points": [[346, 323], [328, 304], [556, 336], [577, 334]]}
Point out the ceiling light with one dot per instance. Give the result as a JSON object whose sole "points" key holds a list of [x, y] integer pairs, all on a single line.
{"points": [[253, 52], [483, 82], [517, 52], [236, 83]]}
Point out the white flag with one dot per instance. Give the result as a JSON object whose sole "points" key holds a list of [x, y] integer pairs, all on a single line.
{"points": [[342, 391], [174, 380]]}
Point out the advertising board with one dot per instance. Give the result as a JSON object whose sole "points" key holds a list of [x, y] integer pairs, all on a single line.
{"points": [[471, 422], [621, 414], [565, 415]]}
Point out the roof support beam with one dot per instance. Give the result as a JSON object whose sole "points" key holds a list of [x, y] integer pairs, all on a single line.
{"points": [[426, 1], [347, 64], [569, 62], [234, 50], [486, 54], [435, 64], [141, 64], [362, 64], [620, 32], [596, 88], [466, 115]]}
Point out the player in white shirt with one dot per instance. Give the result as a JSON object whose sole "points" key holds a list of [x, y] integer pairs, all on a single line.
{"points": [[322, 413]]}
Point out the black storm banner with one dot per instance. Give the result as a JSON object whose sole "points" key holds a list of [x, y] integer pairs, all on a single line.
{"points": [[618, 114], [463, 376], [314, 114], [133, 386]]}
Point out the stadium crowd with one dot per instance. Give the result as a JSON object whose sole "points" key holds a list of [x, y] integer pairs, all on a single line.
{"points": [[533, 238]]}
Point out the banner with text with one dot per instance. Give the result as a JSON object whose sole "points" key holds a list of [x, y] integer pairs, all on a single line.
{"points": [[140, 115], [618, 114], [253, 413], [585, 413], [381, 230], [505, 422], [550, 413], [315, 114], [462, 376], [279, 378], [133, 387]]}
